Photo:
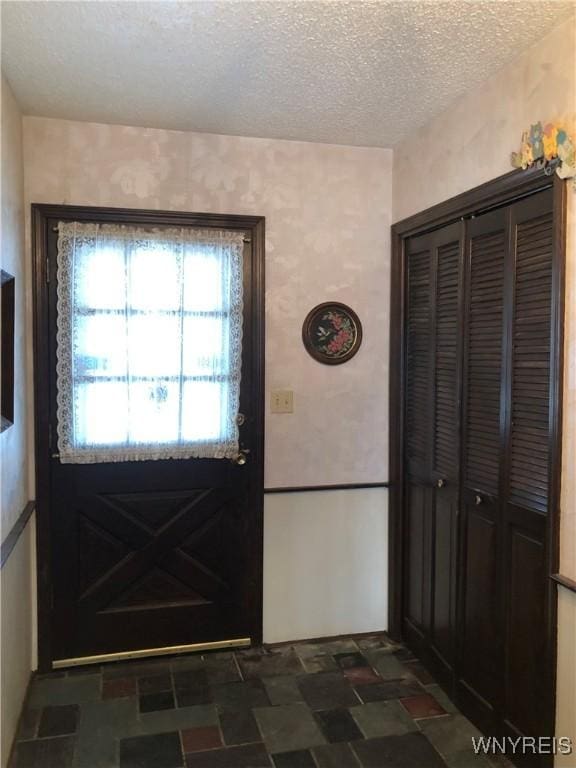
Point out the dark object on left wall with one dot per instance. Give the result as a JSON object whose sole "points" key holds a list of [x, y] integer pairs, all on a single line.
{"points": [[7, 353]]}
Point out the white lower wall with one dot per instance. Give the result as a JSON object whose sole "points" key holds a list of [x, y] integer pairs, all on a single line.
{"points": [[325, 563], [16, 633], [566, 681]]}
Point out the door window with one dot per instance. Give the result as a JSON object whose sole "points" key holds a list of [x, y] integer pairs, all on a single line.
{"points": [[149, 342]]}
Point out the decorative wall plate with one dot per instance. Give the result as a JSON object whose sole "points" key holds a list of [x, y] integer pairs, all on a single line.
{"points": [[332, 333]]}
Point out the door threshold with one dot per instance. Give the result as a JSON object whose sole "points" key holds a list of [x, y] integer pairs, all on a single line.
{"points": [[171, 650]]}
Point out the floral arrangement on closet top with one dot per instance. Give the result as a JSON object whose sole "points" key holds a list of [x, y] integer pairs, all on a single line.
{"points": [[549, 147]]}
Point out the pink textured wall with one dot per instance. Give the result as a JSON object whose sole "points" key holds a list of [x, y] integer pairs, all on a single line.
{"points": [[328, 214]]}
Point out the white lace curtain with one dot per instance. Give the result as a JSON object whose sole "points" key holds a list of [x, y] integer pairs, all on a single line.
{"points": [[149, 342]]}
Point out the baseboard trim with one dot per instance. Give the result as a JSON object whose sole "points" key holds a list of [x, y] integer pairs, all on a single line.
{"points": [[12, 539], [338, 487], [329, 638]]}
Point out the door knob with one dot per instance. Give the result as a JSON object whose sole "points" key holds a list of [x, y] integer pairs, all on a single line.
{"points": [[477, 500], [241, 458], [440, 483]]}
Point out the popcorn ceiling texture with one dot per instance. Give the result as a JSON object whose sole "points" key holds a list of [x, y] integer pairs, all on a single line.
{"points": [[359, 73]]}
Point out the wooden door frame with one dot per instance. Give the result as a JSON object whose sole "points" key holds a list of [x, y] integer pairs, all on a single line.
{"points": [[255, 229], [493, 194]]}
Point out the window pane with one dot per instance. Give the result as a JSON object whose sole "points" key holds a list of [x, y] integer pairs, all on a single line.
{"points": [[154, 345], [205, 349], [204, 411], [154, 412], [101, 413], [100, 342], [203, 281], [155, 277], [100, 276]]}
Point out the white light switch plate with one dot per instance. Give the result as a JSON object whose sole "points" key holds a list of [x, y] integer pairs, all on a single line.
{"points": [[281, 401]]}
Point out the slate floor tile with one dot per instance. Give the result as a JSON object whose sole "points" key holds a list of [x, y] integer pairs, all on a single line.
{"points": [[331, 647], [327, 690], [300, 758], [338, 725], [248, 756], [320, 663], [151, 702], [119, 688], [67, 690], [424, 705], [190, 678], [404, 654], [362, 676], [100, 725], [412, 750], [238, 695], [161, 750], [267, 663], [383, 718], [450, 734], [221, 668], [380, 640], [28, 724], [190, 697], [44, 753], [158, 666], [442, 697], [349, 660], [386, 664], [84, 669], [199, 739], [420, 672], [389, 689], [335, 756], [288, 727], [466, 759], [177, 719], [282, 690], [58, 721], [239, 727], [155, 683]]}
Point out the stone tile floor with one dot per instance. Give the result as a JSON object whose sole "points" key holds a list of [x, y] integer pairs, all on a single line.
{"points": [[347, 703]]}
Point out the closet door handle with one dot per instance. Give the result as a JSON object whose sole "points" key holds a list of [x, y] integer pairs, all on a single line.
{"points": [[440, 483], [478, 500]]}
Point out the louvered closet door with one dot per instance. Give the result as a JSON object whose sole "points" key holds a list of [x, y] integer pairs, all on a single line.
{"points": [[480, 635], [432, 446], [447, 337], [528, 468], [418, 435]]}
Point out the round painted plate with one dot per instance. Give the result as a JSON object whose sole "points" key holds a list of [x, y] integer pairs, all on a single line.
{"points": [[332, 333]]}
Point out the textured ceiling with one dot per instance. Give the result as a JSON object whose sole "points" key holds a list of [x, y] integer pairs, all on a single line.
{"points": [[344, 72]]}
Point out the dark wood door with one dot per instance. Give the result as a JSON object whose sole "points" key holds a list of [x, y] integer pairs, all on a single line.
{"points": [[146, 555], [481, 377], [432, 442], [480, 578], [504, 672]]}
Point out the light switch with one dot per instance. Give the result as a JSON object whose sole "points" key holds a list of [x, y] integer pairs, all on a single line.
{"points": [[281, 401]]}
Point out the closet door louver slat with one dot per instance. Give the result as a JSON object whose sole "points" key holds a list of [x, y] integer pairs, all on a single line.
{"points": [[531, 364], [484, 361]]}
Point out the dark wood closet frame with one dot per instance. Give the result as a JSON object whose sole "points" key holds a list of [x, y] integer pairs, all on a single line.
{"points": [[254, 226], [491, 195]]}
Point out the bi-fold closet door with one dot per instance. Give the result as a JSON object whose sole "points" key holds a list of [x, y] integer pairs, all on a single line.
{"points": [[478, 436]]}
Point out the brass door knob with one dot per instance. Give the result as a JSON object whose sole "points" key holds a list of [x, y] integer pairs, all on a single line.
{"points": [[241, 458]]}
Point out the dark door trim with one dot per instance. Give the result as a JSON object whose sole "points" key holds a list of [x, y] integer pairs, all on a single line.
{"points": [[493, 194], [254, 227]]}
